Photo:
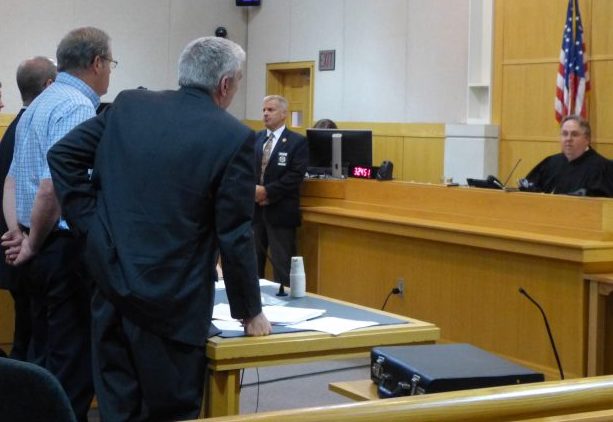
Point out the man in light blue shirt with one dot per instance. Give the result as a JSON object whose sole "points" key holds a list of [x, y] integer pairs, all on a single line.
{"points": [[36, 237], [33, 76]]}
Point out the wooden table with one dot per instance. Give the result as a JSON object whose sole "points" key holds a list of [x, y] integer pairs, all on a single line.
{"points": [[227, 356]]}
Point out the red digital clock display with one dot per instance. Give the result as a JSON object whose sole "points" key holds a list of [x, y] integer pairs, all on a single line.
{"points": [[362, 172]]}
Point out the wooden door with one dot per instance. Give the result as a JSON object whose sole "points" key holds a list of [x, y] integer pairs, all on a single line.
{"points": [[294, 81]]}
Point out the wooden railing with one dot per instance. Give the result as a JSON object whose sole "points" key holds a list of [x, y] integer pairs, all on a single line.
{"points": [[576, 399]]}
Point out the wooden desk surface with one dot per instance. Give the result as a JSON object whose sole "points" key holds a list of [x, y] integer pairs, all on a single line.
{"points": [[517, 222], [592, 218], [246, 352], [228, 355]]}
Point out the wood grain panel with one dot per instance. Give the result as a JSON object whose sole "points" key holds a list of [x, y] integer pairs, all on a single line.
{"points": [[528, 94], [416, 149], [5, 120], [415, 130], [470, 293], [389, 148], [531, 153], [7, 315], [601, 100], [423, 159], [463, 208], [7, 319], [533, 29], [601, 29], [463, 254]]}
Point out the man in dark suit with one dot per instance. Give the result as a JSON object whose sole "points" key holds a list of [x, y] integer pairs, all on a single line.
{"points": [[172, 184], [282, 157], [33, 76]]}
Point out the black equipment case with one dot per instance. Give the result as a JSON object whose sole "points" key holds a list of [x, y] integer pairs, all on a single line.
{"points": [[410, 370]]}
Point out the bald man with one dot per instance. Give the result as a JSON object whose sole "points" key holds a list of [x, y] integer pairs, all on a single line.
{"points": [[33, 76]]}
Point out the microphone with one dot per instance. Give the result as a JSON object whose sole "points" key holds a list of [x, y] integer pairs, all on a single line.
{"points": [[493, 181], [553, 344], [511, 173]]}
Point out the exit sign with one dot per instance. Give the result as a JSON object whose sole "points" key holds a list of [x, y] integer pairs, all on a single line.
{"points": [[327, 59]]}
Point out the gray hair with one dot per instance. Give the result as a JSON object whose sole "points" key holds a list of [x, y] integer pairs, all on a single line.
{"points": [[583, 124], [32, 77], [279, 99], [205, 61], [79, 48]]}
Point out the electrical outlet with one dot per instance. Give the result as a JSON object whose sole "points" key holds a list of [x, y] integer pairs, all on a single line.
{"points": [[400, 286]]}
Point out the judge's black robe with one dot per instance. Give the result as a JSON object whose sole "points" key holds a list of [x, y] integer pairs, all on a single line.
{"points": [[591, 175]]}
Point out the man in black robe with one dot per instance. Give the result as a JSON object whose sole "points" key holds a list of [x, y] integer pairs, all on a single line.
{"points": [[577, 170]]}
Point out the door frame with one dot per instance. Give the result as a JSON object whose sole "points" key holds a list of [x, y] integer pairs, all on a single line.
{"points": [[274, 84]]}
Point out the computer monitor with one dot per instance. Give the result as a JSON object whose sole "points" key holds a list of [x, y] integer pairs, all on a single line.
{"points": [[356, 148], [248, 2]]}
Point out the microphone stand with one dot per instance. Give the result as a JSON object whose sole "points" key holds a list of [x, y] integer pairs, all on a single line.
{"points": [[553, 345]]}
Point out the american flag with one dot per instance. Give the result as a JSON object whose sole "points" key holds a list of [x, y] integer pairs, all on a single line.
{"points": [[573, 80]]}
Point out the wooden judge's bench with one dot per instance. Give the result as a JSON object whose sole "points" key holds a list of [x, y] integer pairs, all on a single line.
{"points": [[463, 254]]}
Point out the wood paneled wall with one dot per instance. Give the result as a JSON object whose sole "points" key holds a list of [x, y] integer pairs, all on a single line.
{"points": [[528, 36], [5, 121], [416, 149]]}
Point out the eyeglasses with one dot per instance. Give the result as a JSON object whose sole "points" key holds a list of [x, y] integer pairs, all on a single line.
{"points": [[572, 134], [113, 63]]}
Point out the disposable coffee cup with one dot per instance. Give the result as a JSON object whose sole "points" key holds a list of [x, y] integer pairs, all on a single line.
{"points": [[297, 278]]}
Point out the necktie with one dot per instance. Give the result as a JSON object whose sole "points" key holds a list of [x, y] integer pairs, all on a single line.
{"points": [[266, 155]]}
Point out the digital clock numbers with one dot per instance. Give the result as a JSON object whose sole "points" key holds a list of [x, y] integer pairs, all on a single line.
{"points": [[362, 172]]}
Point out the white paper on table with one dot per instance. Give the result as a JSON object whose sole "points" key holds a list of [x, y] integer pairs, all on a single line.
{"points": [[264, 283], [271, 300], [229, 325], [283, 315], [332, 325], [221, 311]]}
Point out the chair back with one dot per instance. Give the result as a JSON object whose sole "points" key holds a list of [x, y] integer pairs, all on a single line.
{"points": [[31, 393]]}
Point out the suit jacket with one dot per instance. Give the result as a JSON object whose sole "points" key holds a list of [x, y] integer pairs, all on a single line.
{"points": [[7, 146], [172, 183], [282, 178]]}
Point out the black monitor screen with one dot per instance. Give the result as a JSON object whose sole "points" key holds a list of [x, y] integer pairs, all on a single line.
{"points": [[356, 147], [248, 2]]}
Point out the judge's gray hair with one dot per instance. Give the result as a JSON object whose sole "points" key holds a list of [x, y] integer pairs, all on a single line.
{"points": [[583, 124]]}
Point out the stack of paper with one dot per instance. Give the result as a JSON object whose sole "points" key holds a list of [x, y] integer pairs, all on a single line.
{"points": [[276, 314], [332, 325], [279, 314], [285, 315]]}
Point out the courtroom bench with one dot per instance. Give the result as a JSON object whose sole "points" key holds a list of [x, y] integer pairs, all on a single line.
{"points": [[463, 253]]}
